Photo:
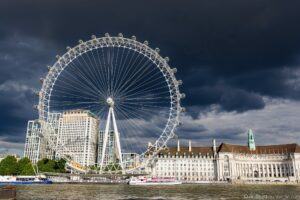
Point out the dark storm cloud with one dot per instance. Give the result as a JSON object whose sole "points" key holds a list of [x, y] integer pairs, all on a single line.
{"points": [[22, 61], [14, 115], [229, 98], [228, 53], [191, 129]]}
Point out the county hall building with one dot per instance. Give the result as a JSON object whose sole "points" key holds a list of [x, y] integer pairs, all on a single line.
{"points": [[230, 162]]}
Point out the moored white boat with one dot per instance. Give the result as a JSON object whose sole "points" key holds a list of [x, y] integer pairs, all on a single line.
{"points": [[20, 180], [153, 181]]}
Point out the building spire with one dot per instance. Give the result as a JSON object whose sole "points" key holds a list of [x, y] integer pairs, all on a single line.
{"points": [[251, 142]]}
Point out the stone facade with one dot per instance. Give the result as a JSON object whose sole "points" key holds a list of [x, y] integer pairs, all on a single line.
{"points": [[185, 163], [228, 162], [273, 163]]}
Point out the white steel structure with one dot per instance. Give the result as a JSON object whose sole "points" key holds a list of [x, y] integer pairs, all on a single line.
{"points": [[118, 151], [139, 82], [78, 131]]}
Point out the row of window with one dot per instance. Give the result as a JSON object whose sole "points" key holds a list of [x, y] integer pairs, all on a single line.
{"points": [[176, 174]]}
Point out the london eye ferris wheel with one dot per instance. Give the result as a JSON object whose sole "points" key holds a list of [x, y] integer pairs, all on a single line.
{"points": [[126, 84]]}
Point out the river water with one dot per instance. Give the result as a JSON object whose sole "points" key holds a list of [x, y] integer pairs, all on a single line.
{"points": [[178, 192]]}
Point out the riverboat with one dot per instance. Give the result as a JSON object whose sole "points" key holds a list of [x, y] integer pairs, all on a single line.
{"points": [[153, 181], [21, 180]]}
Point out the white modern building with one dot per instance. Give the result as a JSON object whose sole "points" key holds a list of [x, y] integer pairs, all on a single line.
{"points": [[110, 156], [229, 162], [77, 136], [35, 147], [53, 120]]}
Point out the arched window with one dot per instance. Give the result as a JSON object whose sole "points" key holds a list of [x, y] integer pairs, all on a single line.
{"points": [[256, 174]]}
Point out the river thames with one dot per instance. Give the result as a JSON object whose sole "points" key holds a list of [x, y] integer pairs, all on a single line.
{"points": [[122, 191]]}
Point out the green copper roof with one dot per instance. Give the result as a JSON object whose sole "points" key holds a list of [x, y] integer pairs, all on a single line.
{"points": [[251, 142]]}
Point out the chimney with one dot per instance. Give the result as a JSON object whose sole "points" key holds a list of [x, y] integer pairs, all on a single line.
{"points": [[214, 147], [190, 146], [178, 145]]}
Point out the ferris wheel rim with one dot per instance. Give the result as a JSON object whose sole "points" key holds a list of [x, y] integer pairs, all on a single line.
{"points": [[117, 41]]}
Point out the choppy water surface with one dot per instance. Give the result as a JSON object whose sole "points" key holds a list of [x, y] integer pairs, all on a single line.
{"points": [[111, 192]]}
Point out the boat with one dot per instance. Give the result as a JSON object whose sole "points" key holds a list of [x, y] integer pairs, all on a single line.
{"points": [[153, 181], [21, 180]]}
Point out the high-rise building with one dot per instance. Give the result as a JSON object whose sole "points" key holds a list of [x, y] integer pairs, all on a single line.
{"points": [[34, 144], [110, 156], [77, 136], [53, 122]]}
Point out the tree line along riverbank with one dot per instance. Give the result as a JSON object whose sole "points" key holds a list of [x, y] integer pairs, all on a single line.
{"points": [[11, 166]]}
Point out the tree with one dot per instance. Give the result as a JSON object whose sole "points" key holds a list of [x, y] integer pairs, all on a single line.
{"points": [[93, 167], [60, 166], [8, 166], [46, 165], [25, 167]]}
